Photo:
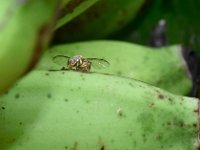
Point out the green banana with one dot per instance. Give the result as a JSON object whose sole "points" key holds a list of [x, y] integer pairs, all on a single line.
{"points": [[89, 111], [102, 19], [73, 9], [25, 30], [26, 27], [161, 67]]}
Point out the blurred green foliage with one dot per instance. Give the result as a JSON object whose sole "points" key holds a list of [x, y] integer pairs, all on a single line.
{"points": [[182, 23]]}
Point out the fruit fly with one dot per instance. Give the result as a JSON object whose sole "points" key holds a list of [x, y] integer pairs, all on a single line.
{"points": [[80, 63]]}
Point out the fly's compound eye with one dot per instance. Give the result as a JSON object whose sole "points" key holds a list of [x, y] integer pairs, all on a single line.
{"points": [[72, 62]]}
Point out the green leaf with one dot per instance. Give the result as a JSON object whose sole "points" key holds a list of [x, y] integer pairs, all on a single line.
{"points": [[181, 18]]}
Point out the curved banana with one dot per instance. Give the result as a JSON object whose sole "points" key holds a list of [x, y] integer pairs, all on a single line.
{"points": [[161, 67], [70, 110], [101, 20], [25, 29]]}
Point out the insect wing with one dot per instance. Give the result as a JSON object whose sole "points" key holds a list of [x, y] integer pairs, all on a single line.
{"points": [[99, 63], [61, 60]]}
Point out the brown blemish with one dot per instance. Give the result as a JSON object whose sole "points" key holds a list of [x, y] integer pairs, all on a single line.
{"points": [[160, 96], [17, 95], [198, 147], [181, 124], [159, 137], [103, 147], [101, 144], [74, 147], [169, 123], [196, 110], [3, 108], [194, 125], [151, 104], [120, 112], [170, 99]]}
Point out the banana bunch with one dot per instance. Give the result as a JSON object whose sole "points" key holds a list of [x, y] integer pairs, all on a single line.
{"points": [[91, 111], [161, 67], [104, 109]]}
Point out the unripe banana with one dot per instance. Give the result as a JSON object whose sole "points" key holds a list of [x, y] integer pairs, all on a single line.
{"points": [[102, 19], [25, 29], [161, 67], [72, 10], [89, 111]]}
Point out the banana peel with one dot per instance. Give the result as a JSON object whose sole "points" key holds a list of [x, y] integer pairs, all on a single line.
{"points": [[90, 111], [161, 67]]}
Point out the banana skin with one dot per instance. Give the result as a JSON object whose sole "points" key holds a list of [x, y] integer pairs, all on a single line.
{"points": [[91, 111]]}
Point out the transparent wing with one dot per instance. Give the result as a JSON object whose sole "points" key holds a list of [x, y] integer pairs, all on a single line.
{"points": [[61, 60], [99, 63]]}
